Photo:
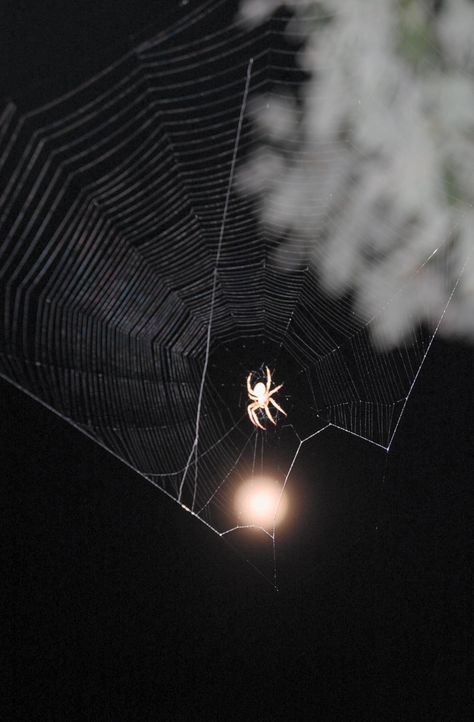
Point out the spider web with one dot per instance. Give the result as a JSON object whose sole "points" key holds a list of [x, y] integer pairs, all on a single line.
{"points": [[139, 289]]}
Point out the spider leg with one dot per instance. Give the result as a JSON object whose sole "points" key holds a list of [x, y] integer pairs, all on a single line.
{"points": [[267, 411], [253, 418], [277, 388], [269, 379], [278, 407], [252, 396], [249, 411], [249, 388], [257, 422]]}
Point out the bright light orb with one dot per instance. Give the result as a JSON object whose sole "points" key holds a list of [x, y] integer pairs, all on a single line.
{"points": [[261, 502]]}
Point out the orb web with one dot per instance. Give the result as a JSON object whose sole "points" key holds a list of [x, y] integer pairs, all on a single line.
{"points": [[139, 289]]}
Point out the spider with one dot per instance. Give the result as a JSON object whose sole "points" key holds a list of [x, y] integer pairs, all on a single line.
{"points": [[260, 397]]}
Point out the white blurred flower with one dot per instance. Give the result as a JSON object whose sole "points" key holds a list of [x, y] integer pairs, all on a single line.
{"points": [[254, 12], [455, 33], [376, 172]]}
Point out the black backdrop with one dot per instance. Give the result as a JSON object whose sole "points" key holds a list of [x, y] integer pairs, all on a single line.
{"points": [[125, 608]]}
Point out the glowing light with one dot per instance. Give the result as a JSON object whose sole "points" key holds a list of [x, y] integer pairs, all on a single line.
{"points": [[260, 501]]}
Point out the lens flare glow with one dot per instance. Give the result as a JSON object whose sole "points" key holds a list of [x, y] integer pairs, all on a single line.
{"points": [[260, 501]]}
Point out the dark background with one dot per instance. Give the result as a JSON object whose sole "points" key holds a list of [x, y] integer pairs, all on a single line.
{"points": [[125, 608]]}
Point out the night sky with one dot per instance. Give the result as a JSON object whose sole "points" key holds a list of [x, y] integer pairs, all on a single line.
{"points": [[125, 608]]}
